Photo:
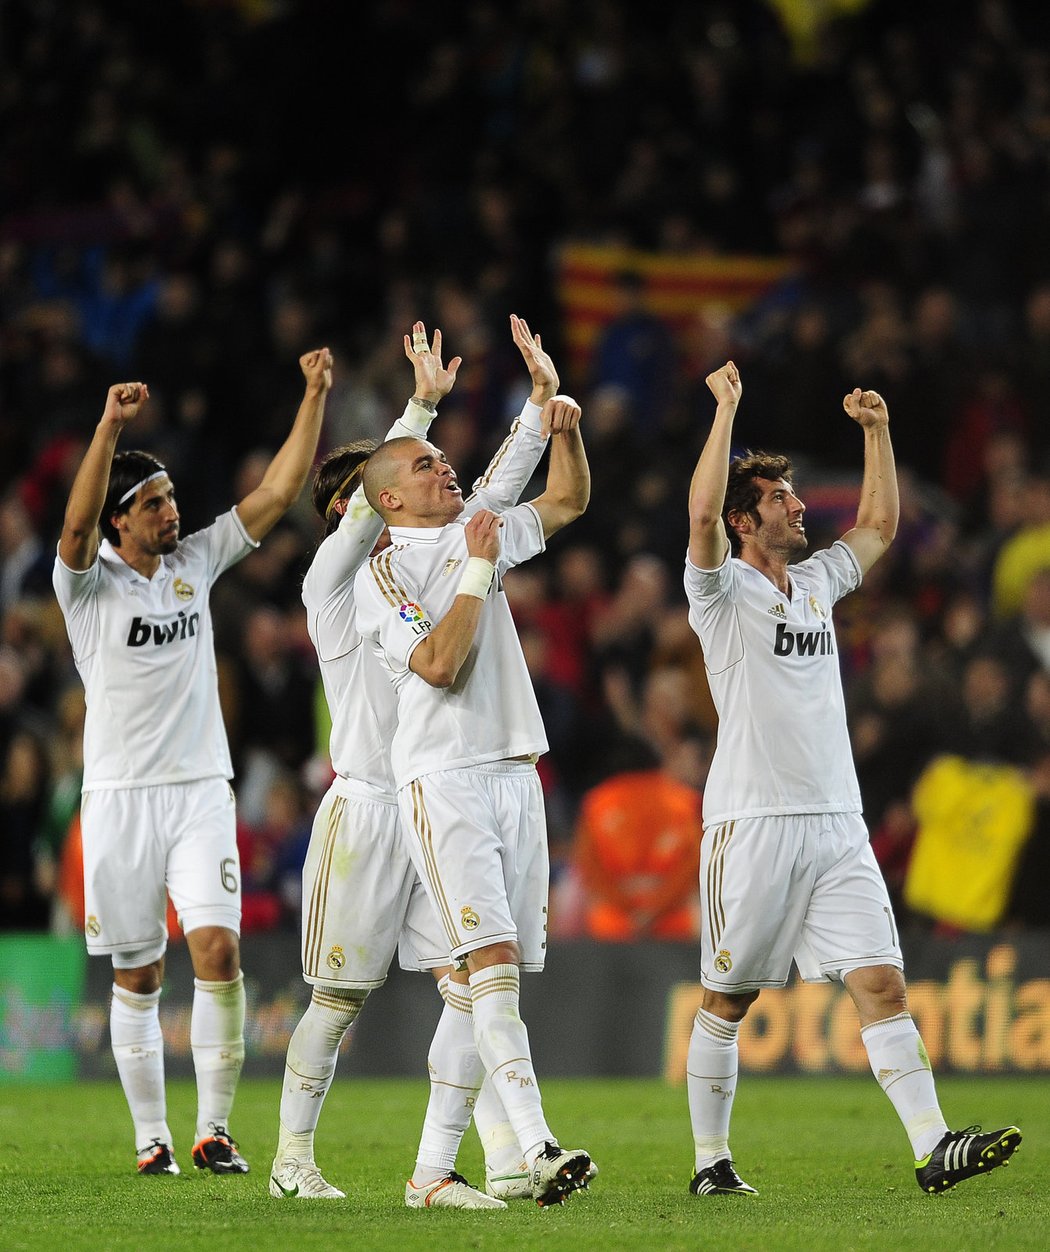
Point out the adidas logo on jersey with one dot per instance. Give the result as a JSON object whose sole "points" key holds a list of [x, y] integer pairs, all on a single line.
{"points": [[777, 611], [181, 627], [804, 642]]}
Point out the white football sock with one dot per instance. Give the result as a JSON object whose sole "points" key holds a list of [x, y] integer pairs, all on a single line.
{"points": [[503, 1042], [902, 1068], [712, 1066], [138, 1049], [217, 1043], [455, 1077], [502, 1150], [313, 1051]]}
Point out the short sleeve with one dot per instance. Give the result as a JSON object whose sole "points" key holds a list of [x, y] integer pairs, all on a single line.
{"points": [[389, 612], [712, 612], [839, 567], [520, 537], [708, 584], [222, 544], [77, 592]]}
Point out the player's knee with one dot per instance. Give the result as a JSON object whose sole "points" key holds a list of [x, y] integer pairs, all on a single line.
{"points": [[216, 953], [730, 1008], [879, 991], [143, 980], [495, 954]]}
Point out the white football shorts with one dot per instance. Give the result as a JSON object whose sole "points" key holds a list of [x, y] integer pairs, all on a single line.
{"points": [[362, 898], [803, 887], [142, 844], [478, 839]]}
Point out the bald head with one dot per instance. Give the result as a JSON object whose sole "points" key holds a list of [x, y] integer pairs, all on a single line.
{"points": [[409, 483], [382, 471]]}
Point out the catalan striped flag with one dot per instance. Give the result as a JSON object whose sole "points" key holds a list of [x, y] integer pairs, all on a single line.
{"points": [[678, 287]]}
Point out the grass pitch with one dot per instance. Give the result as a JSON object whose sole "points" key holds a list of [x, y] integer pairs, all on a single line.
{"points": [[827, 1154]]}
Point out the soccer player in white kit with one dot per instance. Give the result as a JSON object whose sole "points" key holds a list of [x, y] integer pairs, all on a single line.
{"points": [[158, 809], [786, 869], [362, 898], [467, 738]]}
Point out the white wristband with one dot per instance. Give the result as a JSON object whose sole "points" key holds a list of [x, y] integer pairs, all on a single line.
{"points": [[476, 578]]}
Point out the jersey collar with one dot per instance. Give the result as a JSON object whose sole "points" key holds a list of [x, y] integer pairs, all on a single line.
{"points": [[116, 562], [416, 534]]}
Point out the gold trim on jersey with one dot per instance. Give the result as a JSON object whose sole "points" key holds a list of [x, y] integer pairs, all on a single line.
{"points": [[313, 927], [716, 914], [394, 594], [493, 465], [425, 834]]}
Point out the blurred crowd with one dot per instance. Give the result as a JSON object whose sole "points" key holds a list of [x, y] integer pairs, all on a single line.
{"points": [[197, 201]]}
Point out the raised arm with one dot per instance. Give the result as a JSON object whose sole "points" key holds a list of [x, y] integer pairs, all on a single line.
{"points": [[78, 544], [433, 383], [568, 489], [541, 369], [708, 541], [879, 508], [263, 508], [439, 656], [515, 461]]}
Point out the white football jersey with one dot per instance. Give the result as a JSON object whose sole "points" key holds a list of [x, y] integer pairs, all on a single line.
{"points": [[146, 655], [361, 701], [490, 711], [773, 666]]}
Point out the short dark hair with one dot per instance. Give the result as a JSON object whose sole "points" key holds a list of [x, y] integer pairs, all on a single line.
{"points": [[382, 468], [128, 469], [743, 492], [339, 476]]}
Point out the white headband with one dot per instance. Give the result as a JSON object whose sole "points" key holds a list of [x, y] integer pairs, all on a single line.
{"points": [[161, 473]]}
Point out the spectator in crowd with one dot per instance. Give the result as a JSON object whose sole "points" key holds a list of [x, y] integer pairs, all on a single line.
{"points": [[899, 711], [637, 851], [24, 567], [272, 730], [1023, 640], [24, 782], [990, 722], [1025, 552], [1029, 903], [636, 352]]}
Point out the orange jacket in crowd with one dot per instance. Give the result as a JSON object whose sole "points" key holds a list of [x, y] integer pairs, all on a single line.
{"points": [[638, 857]]}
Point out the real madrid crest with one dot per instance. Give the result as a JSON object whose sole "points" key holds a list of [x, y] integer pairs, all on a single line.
{"points": [[92, 926], [469, 918], [184, 591], [336, 959], [723, 961]]}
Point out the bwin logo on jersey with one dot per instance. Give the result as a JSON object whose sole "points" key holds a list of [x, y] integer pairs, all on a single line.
{"points": [[804, 642], [181, 627]]}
